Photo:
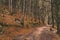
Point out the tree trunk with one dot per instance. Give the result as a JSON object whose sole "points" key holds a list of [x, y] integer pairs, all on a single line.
{"points": [[52, 13], [10, 6]]}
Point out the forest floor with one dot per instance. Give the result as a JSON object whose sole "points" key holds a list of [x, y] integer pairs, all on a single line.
{"points": [[17, 33], [38, 33]]}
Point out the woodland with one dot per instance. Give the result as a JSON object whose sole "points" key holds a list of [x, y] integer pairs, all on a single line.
{"points": [[29, 19]]}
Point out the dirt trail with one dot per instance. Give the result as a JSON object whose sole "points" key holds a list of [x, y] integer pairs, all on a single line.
{"points": [[38, 33], [33, 35], [40, 29]]}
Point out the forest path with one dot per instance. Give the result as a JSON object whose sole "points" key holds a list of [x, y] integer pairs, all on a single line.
{"points": [[33, 34], [37, 33]]}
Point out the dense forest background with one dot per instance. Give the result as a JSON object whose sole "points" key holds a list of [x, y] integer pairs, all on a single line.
{"points": [[30, 13]]}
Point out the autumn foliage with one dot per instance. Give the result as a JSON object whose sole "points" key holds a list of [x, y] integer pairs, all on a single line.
{"points": [[13, 27]]}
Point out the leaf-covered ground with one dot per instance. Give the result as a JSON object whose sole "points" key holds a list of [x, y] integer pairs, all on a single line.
{"points": [[38, 33], [10, 29]]}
